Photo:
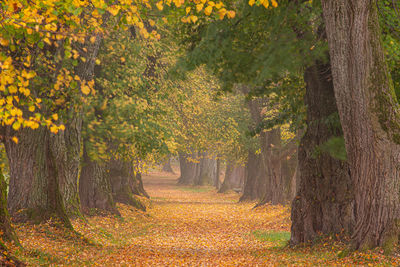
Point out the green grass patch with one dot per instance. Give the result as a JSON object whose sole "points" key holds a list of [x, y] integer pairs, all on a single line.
{"points": [[280, 238]]}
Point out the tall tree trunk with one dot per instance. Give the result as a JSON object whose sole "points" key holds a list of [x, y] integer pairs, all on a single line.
{"points": [[190, 170], [217, 182], [324, 201], [271, 155], [255, 178], [280, 164], [208, 170], [167, 166], [7, 232], [34, 192], [234, 178], [125, 183], [66, 147], [94, 186], [369, 113]]}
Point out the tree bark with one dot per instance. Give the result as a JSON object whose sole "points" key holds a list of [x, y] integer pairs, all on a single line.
{"points": [[324, 200], [7, 232], [234, 178], [190, 171], [368, 111], [255, 183], [275, 157], [34, 192], [66, 148], [94, 187], [125, 184], [208, 171], [167, 167]]}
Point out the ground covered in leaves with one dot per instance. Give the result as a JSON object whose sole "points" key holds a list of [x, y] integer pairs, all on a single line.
{"points": [[183, 226]]}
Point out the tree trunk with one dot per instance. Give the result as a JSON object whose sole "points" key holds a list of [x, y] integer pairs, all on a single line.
{"points": [[274, 156], [66, 147], [208, 171], [217, 182], [190, 171], [255, 181], [34, 192], [368, 111], [94, 187], [7, 232], [324, 201], [167, 167], [234, 178], [125, 183]]}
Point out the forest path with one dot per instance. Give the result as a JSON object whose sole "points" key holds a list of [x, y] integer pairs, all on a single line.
{"points": [[197, 226], [183, 226]]}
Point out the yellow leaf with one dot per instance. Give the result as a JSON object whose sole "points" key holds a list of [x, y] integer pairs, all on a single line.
{"points": [[188, 10], [113, 10], [85, 89], [160, 6], [98, 61], [152, 22], [274, 3], [31, 108], [251, 2], [231, 14], [14, 139], [47, 40], [55, 116], [16, 125], [193, 19], [93, 39], [12, 89], [54, 129], [199, 7], [265, 3], [4, 42], [208, 10]]}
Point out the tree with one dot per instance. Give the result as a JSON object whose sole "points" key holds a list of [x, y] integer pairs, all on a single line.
{"points": [[368, 111], [324, 200], [234, 178]]}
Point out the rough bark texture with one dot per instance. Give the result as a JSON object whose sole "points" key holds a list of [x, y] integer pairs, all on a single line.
{"points": [[368, 111], [234, 178], [126, 184], [255, 183], [190, 170], [167, 166], [324, 201], [94, 187], [277, 160], [280, 163], [7, 232], [34, 192], [66, 146], [208, 171]]}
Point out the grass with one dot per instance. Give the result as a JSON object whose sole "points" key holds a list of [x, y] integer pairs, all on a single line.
{"points": [[280, 238]]}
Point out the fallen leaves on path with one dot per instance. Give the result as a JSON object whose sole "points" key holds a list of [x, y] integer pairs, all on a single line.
{"points": [[184, 226]]}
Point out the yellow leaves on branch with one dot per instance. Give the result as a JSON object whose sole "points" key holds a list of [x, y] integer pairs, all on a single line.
{"points": [[265, 3]]}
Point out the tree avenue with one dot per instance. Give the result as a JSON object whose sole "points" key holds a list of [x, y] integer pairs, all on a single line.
{"points": [[288, 103]]}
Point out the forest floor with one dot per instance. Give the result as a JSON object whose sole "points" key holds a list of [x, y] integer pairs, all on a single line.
{"points": [[183, 226]]}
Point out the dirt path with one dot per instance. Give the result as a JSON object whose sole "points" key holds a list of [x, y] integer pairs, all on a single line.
{"points": [[197, 226], [183, 226]]}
